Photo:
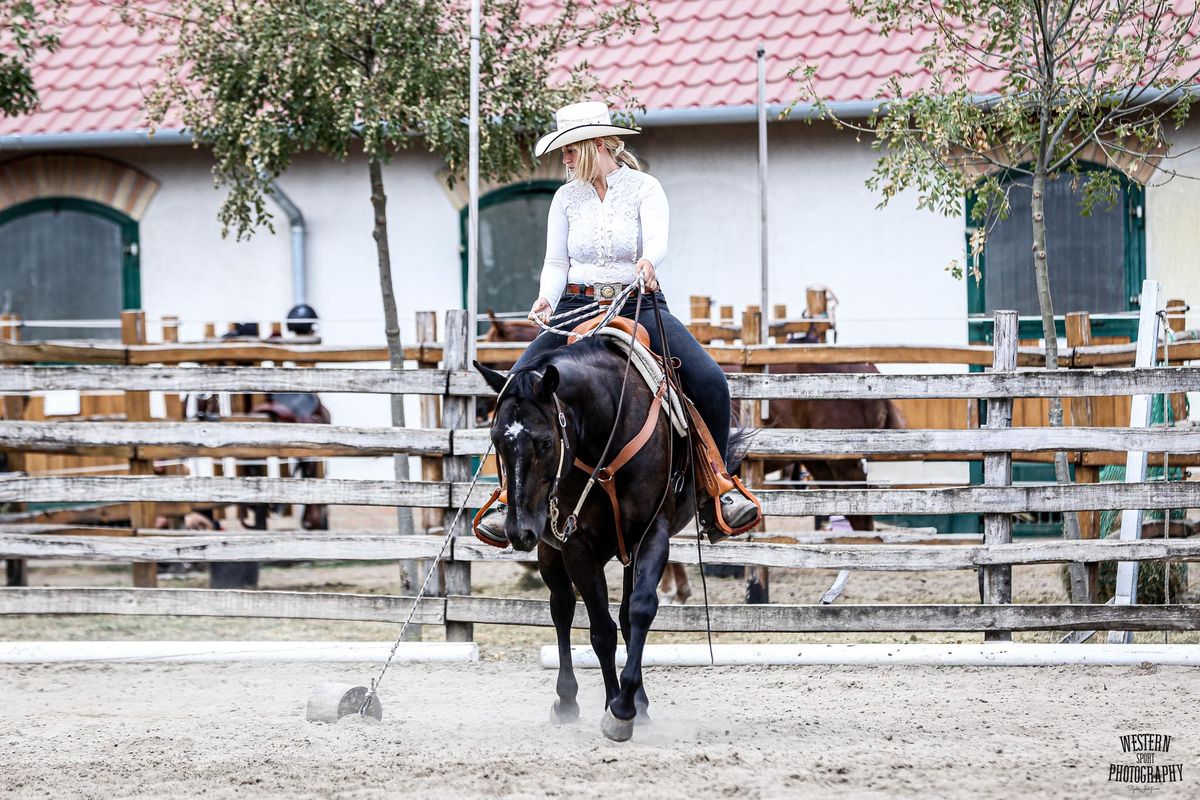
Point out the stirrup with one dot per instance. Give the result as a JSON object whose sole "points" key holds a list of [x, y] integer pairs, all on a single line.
{"points": [[489, 528], [719, 521]]}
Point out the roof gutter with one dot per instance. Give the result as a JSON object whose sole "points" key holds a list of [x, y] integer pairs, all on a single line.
{"points": [[658, 118], [94, 139], [654, 118]]}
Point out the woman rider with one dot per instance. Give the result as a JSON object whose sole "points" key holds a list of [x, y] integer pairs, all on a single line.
{"points": [[607, 226]]}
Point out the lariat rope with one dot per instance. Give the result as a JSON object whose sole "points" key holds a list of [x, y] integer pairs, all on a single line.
{"points": [[571, 315], [433, 565]]}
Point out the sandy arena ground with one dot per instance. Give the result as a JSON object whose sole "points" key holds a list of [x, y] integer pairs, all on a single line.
{"points": [[482, 730]]}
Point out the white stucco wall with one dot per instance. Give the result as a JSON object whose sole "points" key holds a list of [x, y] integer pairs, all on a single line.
{"points": [[1173, 221], [886, 267]]}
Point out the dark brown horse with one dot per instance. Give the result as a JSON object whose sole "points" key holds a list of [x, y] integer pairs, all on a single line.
{"points": [[865, 414]]}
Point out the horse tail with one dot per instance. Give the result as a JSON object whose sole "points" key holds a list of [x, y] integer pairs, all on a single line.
{"points": [[739, 445], [893, 418]]}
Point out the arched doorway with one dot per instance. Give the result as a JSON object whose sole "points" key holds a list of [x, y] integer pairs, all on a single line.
{"points": [[71, 259], [69, 245], [512, 244]]}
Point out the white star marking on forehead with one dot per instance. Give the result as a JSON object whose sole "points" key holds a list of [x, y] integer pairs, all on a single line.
{"points": [[514, 430]]}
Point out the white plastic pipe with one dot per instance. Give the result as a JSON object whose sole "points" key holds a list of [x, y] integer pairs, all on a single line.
{"points": [[947, 655], [191, 652]]}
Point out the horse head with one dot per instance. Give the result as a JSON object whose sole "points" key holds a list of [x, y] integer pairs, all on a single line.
{"points": [[530, 433]]}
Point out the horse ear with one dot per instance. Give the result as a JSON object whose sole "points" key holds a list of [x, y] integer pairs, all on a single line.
{"points": [[549, 382], [494, 379]]}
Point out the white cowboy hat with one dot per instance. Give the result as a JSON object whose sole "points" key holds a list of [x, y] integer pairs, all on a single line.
{"points": [[577, 122]]}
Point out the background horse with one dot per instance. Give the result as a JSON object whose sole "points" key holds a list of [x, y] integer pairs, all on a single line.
{"points": [[562, 408]]}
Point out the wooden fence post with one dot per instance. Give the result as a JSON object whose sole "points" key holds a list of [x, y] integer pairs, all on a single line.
{"points": [[758, 579], [137, 409], [13, 408], [817, 306], [997, 470], [431, 519], [779, 335], [458, 413], [1084, 577]]}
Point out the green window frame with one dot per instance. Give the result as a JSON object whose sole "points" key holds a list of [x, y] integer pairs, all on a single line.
{"points": [[979, 326], [131, 272], [493, 198]]}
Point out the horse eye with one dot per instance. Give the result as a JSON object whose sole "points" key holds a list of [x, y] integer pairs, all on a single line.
{"points": [[543, 447]]}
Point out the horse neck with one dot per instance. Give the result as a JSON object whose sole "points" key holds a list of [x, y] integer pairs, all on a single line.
{"points": [[593, 393]]}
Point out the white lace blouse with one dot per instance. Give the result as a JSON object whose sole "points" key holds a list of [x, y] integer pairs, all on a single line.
{"points": [[589, 241]]}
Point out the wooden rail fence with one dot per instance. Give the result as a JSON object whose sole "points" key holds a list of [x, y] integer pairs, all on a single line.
{"points": [[109, 366]]}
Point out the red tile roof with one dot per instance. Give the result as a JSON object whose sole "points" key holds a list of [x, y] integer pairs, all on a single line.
{"points": [[702, 57]]}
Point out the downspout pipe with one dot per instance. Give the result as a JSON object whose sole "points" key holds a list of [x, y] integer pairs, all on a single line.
{"points": [[299, 244]]}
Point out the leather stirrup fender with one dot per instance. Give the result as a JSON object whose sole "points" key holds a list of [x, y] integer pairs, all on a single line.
{"points": [[711, 474]]}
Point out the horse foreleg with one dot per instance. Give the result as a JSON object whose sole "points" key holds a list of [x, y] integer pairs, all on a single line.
{"points": [[643, 606], [562, 611], [587, 574]]}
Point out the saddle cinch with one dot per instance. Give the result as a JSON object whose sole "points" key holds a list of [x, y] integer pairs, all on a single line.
{"points": [[709, 466]]}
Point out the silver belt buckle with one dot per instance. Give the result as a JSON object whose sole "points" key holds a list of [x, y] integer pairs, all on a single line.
{"points": [[607, 291]]}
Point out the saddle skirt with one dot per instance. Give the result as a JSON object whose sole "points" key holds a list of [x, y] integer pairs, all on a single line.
{"points": [[622, 333]]}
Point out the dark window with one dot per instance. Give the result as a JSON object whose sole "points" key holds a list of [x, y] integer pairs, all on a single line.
{"points": [[512, 246], [62, 264], [1086, 255]]}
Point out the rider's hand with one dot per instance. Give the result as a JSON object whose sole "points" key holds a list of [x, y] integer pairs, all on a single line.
{"points": [[541, 310], [646, 270]]}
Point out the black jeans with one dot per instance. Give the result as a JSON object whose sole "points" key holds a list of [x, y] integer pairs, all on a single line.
{"points": [[703, 380]]}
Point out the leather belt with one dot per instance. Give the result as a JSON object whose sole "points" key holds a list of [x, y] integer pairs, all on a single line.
{"points": [[601, 291]]}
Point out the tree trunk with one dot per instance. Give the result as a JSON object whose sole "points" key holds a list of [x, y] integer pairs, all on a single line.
{"points": [[391, 324], [1041, 271]]}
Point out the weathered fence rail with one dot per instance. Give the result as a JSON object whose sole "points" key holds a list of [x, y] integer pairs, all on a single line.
{"points": [[503, 611], [383, 547], [172, 439], [765, 386], [441, 494]]}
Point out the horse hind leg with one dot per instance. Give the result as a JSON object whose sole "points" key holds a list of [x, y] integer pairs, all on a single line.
{"points": [[643, 606], [675, 588], [640, 700], [562, 612]]}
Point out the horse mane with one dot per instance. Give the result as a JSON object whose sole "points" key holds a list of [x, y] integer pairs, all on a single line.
{"points": [[582, 353]]}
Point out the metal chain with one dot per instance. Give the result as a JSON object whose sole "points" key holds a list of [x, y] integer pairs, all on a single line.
{"points": [[362, 711]]}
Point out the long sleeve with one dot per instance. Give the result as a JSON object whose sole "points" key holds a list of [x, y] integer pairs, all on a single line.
{"points": [[557, 263], [654, 214]]}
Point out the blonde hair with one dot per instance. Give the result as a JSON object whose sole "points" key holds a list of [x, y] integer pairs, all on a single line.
{"points": [[586, 157]]}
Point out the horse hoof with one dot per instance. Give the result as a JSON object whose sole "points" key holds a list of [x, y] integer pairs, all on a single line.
{"points": [[619, 730], [562, 715], [643, 718]]}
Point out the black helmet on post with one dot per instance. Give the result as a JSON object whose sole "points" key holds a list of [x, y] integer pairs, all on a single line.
{"points": [[301, 312]]}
